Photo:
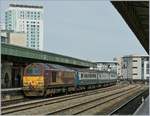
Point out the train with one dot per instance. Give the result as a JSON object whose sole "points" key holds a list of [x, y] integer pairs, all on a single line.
{"points": [[43, 79]]}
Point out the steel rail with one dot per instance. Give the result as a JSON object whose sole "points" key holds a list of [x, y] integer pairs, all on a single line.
{"points": [[27, 105], [79, 104], [128, 101], [113, 98]]}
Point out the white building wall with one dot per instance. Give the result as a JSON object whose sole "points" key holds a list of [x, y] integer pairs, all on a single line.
{"points": [[146, 74], [139, 68], [119, 66], [136, 68]]}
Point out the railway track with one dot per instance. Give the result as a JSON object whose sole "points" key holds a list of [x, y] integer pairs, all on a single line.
{"points": [[38, 107], [126, 108], [81, 108], [37, 103], [14, 101]]}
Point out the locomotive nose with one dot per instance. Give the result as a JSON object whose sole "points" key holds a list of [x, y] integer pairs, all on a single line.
{"points": [[31, 86]]}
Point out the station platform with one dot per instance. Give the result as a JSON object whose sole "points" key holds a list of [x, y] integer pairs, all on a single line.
{"points": [[144, 108], [11, 94], [11, 89]]}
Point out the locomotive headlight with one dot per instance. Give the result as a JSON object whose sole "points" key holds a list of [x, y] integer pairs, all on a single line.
{"points": [[25, 83], [39, 82]]}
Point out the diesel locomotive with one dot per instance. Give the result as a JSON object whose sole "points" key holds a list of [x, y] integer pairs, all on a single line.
{"points": [[42, 79]]}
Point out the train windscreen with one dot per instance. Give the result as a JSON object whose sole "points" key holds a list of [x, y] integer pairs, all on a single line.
{"points": [[33, 70]]}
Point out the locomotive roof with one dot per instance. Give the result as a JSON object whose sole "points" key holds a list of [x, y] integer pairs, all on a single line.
{"points": [[58, 67]]}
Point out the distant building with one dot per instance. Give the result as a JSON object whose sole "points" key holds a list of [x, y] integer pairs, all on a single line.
{"points": [[119, 61], [27, 19], [2, 26], [135, 67], [4, 36], [15, 38], [107, 66]]}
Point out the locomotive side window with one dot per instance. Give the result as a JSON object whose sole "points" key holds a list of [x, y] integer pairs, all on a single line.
{"points": [[53, 76]]}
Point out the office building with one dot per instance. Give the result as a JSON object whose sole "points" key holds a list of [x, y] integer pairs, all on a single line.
{"points": [[135, 67], [27, 19], [119, 61]]}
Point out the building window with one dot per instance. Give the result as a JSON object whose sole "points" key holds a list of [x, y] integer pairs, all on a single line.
{"points": [[134, 73], [142, 65], [134, 67], [147, 68], [147, 77], [3, 39], [134, 60]]}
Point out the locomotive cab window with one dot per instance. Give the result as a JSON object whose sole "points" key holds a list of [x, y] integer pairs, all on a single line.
{"points": [[33, 70]]}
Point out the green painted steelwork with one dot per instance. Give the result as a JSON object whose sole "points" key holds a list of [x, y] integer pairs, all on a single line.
{"points": [[37, 55]]}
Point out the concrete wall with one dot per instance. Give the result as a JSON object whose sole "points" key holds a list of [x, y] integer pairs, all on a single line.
{"points": [[145, 68], [127, 68], [12, 72], [17, 39], [136, 68], [6, 68]]}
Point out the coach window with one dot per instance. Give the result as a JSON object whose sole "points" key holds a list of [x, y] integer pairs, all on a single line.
{"points": [[99, 75], [81, 75], [84, 75]]}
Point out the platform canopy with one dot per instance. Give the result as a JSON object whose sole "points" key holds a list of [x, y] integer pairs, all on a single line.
{"points": [[19, 54], [136, 15]]}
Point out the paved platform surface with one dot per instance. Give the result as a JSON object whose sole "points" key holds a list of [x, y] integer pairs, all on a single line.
{"points": [[11, 89], [144, 108]]}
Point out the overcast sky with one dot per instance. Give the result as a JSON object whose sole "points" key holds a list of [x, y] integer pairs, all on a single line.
{"points": [[89, 30]]}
